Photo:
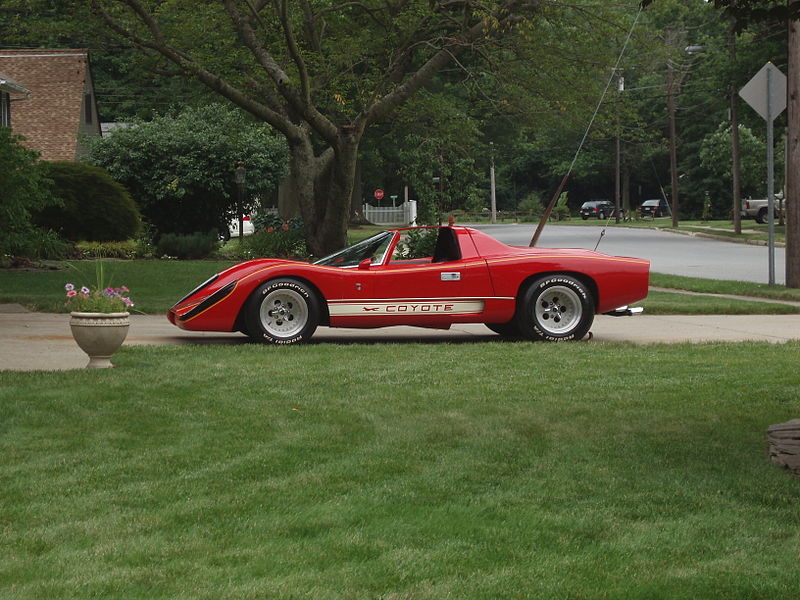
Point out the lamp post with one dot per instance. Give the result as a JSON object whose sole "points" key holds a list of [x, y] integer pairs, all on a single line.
{"points": [[239, 176]]}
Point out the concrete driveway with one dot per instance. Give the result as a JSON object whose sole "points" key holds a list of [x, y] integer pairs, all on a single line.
{"points": [[42, 341]]}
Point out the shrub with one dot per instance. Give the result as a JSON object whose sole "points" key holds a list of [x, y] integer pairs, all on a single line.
{"points": [[39, 244], [180, 167], [276, 238], [24, 190], [94, 207], [127, 249], [531, 204], [418, 243], [191, 246]]}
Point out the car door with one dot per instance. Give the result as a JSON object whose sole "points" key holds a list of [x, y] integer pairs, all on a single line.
{"points": [[450, 286]]}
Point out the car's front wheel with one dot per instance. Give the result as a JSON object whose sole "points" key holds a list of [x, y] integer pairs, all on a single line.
{"points": [[282, 311], [555, 308]]}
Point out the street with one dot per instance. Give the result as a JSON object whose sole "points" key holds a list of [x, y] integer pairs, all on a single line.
{"points": [[669, 253]]}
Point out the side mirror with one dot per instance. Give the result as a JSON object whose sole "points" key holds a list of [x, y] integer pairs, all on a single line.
{"points": [[365, 264]]}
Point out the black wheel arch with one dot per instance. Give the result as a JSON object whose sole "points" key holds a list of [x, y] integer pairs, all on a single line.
{"points": [[582, 277]]}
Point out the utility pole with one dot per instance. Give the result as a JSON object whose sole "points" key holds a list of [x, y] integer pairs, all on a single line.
{"points": [[735, 157], [673, 141], [620, 88], [792, 199]]}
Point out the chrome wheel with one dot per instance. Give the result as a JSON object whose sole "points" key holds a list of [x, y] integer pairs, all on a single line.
{"points": [[555, 308], [558, 309], [283, 313]]}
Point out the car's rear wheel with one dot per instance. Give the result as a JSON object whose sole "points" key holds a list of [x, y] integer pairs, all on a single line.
{"points": [[762, 216], [601, 215], [282, 311], [555, 308]]}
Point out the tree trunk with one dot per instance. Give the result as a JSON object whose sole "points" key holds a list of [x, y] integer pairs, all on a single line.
{"points": [[792, 200], [323, 185]]}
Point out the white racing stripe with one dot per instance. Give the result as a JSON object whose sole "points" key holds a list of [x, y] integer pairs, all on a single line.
{"points": [[349, 308]]}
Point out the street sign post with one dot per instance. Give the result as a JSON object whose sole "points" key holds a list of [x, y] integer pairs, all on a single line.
{"points": [[766, 94], [378, 194]]}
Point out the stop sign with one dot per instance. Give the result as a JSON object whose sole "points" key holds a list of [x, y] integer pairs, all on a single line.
{"points": [[378, 194]]}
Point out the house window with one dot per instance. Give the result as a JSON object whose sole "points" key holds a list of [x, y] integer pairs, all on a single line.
{"points": [[87, 101]]}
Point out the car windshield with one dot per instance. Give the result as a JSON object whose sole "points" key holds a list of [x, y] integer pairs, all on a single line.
{"points": [[373, 248]]}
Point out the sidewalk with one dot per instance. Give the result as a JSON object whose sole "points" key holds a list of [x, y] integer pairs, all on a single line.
{"points": [[42, 341]]}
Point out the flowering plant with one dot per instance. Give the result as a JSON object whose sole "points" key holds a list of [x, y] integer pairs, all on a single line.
{"points": [[107, 300], [102, 299]]}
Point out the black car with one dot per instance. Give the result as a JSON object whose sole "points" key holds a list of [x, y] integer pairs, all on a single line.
{"points": [[598, 209], [654, 208]]}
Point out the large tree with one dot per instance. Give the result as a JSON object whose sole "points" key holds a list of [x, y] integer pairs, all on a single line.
{"points": [[320, 71]]}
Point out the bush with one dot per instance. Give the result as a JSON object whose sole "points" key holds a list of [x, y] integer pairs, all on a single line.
{"points": [[127, 249], [94, 207], [275, 238], [24, 190], [180, 167], [418, 243], [191, 246], [39, 244]]}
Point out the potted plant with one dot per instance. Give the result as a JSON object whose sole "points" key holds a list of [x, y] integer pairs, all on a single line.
{"points": [[99, 319]]}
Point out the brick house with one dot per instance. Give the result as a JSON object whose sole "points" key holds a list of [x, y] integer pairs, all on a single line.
{"points": [[62, 101]]}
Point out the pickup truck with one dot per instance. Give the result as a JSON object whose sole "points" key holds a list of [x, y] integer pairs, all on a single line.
{"points": [[757, 209]]}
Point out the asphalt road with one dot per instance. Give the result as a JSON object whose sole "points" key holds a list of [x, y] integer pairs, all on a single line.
{"points": [[669, 253]]}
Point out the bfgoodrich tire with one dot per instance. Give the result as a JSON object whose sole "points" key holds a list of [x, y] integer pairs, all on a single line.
{"points": [[555, 308], [282, 311]]}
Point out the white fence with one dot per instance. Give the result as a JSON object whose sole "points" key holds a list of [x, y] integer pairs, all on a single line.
{"points": [[404, 214]]}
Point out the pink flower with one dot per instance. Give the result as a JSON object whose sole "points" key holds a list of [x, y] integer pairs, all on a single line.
{"points": [[69, 287], [285, 228], [84, 290], [71, 293], [270, 229]]}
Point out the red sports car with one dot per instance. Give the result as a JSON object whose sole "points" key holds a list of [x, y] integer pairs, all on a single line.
{"points": [[423, 276]]}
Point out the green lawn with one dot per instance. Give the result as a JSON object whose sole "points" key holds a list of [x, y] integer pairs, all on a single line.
{"points": [[155, 284], [418, 471]]}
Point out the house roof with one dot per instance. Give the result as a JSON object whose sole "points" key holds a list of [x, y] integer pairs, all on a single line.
{"points": [[58, 80]]}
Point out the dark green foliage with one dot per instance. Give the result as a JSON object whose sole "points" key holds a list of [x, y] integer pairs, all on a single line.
{"points": [[180, 168], [192, 246], [24, 189], [275, 238], [418, 243], [93, 208]]}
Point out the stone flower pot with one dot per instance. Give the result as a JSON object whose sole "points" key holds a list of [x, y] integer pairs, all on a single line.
{"points": [[99, 335]]}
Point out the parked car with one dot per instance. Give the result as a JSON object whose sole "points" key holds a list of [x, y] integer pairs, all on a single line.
{"points": [[247, 227], [757, 209], [423, 276], [656, 207], [599, 209]]}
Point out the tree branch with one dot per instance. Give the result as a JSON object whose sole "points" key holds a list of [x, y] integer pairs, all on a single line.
{"points": [[187, 64]]}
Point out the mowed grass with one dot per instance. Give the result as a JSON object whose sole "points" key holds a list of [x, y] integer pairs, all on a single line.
{"points": [[155, 285], [419, 471]]}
